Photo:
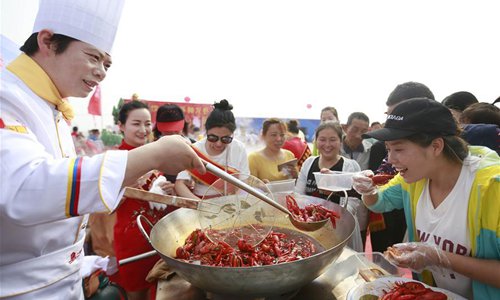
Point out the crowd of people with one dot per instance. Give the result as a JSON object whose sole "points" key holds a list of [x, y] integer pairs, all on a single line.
{"points": [[444, 156]]}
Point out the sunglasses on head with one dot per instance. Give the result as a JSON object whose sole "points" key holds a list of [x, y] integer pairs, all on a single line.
{"points": [[224, 139]]}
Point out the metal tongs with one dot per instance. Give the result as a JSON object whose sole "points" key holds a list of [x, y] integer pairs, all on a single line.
{"points": [[172, 200]]}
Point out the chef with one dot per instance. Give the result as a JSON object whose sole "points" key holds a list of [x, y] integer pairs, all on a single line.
{"points": [[46, 191]]}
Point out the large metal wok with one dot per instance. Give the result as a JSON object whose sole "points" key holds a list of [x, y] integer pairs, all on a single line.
{"points": [[171, 231]]}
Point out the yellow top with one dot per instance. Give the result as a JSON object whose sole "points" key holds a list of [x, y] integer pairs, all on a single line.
{"points": [[264, 168]]}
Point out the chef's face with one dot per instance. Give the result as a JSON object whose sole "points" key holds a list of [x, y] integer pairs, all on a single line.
{"points": [[275, 136], [137, 128], [328, 143], [77, 70]]}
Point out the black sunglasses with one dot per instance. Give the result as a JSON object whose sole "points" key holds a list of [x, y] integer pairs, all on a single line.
{"points": [[224, 139]]}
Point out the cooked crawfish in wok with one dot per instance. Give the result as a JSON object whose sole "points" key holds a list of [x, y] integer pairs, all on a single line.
{"points": [[277, 247]]}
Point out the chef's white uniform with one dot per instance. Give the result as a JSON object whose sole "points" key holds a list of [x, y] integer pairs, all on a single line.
{"points": [[46, 193]]}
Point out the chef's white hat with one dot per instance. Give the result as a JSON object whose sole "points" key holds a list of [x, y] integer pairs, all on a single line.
{"points": [[91, 21]]}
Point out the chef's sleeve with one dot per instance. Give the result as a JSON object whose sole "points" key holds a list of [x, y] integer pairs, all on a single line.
{"points": [[38, 188]]}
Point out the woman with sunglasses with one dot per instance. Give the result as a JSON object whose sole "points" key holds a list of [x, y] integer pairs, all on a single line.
{"points": [[264, 163], [219, 148]]}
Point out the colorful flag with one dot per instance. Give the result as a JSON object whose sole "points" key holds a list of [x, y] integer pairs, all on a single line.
{"points": [[95, 102]]}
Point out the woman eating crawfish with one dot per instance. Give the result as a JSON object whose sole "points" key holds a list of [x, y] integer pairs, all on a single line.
{"points": [[449, 192]]}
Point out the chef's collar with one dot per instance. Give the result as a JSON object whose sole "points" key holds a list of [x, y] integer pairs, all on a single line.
{"points": [[40, 83]]}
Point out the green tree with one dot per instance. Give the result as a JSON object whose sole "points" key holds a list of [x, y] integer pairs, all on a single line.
{"points": [[110, 139], [116, 111]]}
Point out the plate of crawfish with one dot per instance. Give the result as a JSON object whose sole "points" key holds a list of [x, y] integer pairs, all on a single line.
{"points": [[399, 288]]}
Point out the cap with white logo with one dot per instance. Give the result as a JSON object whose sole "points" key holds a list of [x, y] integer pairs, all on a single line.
{"points": [[417, 115]]}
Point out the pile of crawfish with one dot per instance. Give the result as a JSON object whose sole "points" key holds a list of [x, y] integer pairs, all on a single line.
{"points": [[412, 290], [276, 248], [311, 212]]}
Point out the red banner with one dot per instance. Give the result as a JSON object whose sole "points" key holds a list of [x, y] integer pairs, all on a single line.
{"points": [[196, 113]]}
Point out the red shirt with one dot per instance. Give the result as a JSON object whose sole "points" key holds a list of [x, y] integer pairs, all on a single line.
{"points": [[129, 241]]}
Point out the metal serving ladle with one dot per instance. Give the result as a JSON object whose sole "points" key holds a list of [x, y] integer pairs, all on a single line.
{"points": [[304, 226]]}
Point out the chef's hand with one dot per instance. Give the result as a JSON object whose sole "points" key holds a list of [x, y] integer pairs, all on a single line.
{"points": [[174, 154], [417, 256], [169, 154], [363, 184]]}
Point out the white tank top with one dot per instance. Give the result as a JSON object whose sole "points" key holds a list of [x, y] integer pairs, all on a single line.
{"points": [[446, 227]]}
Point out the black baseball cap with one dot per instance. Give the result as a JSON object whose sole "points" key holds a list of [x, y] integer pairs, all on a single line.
{"points": [[169, 117], [417, 115]]}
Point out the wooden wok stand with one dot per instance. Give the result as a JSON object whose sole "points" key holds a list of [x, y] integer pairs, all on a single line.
{"points": [[335, 283]]}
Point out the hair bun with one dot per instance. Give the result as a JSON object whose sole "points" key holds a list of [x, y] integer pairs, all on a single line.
{"points": [[223, 105]]}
